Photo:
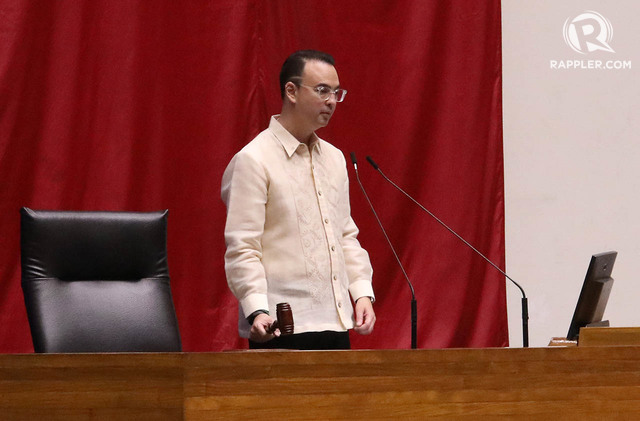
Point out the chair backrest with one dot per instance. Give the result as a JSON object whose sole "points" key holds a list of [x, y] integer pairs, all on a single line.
{"points": [[97, 281]]}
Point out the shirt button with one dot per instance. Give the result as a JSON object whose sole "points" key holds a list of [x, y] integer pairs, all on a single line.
{"points": [[326, 220], [335, 278], [339, 304], [319, 193], [333, 248]]}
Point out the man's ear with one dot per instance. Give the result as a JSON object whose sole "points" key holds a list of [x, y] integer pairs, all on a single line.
{"points": [[290, 89]]}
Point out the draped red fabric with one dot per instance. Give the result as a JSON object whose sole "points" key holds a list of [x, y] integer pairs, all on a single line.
{"points": [[139, 106]]}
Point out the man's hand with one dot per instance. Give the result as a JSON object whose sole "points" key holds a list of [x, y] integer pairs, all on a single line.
{"points": [[365, 316], [260, 329]]}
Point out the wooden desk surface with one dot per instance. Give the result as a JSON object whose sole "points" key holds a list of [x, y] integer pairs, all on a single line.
{"points": [[466, 384]]}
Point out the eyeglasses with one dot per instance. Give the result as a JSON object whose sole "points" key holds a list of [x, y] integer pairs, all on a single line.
{"points": [[324, 92]]}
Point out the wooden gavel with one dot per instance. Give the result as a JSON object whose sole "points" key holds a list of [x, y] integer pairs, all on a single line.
{"points": [[284, 320]]}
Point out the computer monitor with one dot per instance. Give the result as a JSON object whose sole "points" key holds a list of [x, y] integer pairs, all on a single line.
{"points": [[594, 294]]}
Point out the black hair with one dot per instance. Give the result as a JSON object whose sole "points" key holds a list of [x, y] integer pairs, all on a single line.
{"points": [[294, 65]]}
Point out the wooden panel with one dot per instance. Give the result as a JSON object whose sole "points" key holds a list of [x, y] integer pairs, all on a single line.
{"points": [[91, 387], [465, 384], [457, 384]]}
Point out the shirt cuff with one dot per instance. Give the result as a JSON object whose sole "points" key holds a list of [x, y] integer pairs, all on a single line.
{"points": [[360, 289], [253, 303]]}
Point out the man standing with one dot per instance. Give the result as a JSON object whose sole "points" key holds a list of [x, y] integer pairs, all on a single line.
{"points": [[289, 233]]}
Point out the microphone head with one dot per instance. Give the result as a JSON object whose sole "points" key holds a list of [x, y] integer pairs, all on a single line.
{"points": [[372, 162], [353, 158]]}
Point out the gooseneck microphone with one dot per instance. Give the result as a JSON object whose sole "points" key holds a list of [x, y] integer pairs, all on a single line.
{"points": [[414, 303], [525, 305]]}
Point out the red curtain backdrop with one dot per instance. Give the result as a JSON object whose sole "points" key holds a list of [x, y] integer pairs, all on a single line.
{"points": [[139, 106]]}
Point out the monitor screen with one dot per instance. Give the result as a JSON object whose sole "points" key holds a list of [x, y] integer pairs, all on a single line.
{"points": [[594, 294]]}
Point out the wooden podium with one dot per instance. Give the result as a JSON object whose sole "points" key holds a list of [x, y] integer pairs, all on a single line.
{"points": [[609, 336], [602, 336], [587, 383]]}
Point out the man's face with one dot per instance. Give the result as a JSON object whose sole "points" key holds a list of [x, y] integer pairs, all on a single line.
{"points": [[315, 111]]}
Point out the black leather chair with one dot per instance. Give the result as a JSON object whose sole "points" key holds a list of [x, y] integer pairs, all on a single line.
{"points": [[97, 281]]}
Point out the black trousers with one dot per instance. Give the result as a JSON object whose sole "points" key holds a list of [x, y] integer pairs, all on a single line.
{"points": [[307, 341]]}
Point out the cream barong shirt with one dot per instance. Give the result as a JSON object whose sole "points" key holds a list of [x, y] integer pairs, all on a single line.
{"points": [[289, 233]]}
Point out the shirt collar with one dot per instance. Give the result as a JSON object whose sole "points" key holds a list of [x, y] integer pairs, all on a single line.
{"points": [[287, 140]]}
